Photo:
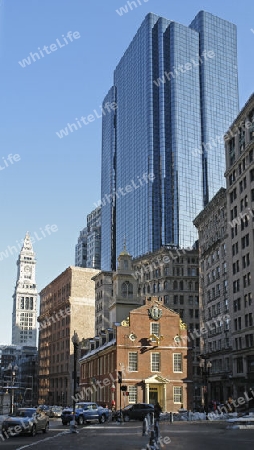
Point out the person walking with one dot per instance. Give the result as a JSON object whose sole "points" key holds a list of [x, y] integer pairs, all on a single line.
{"points": [[157, 411]]}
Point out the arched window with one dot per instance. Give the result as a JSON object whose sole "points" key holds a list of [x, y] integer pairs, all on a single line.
{"points": [[181, 286], [31, 303], [22, 303], [166, 285], [127, 289], [27, 303], [175, 285]]}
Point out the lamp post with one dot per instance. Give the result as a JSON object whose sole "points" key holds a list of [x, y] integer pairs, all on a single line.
{"points": [[32, 388], [13, 370], [205, 366], [75, 341]]}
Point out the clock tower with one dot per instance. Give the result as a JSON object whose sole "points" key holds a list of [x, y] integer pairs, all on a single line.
{"points": [[24, 315]]}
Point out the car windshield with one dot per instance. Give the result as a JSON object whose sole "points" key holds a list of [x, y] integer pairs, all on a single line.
{"points": [[24, 413], [127, 407]]}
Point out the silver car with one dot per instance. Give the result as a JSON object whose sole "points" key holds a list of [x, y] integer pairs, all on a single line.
{"points": [[25, 421]]}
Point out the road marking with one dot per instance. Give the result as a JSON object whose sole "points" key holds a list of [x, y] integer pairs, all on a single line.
{"points": [[43, 440]]}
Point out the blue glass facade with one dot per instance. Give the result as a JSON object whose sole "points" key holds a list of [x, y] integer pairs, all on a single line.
{"points": [[219, 95], [167, 107]]}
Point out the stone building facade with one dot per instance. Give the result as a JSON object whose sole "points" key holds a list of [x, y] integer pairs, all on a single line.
{"points": [[239, 145], [214, 296], [103, 293], [150, 350], [67, 304]]}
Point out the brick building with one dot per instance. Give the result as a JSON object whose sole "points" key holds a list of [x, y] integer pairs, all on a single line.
{"points": [[150, 349], [172, 274], [67, 304]]}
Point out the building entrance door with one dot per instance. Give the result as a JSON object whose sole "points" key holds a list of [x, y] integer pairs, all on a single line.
{"points": [[153, 395]]}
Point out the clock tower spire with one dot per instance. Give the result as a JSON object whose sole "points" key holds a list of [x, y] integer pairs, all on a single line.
{"points": [[24, 316]]}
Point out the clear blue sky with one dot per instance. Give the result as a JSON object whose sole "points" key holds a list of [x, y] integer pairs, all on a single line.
{"points": [[56, 181]]}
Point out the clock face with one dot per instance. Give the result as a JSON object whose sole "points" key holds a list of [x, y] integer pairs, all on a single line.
{"points": [[132, 337], [27, 271]]}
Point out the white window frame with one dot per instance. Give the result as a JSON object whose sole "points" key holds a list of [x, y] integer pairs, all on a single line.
{"points": [[177, 362], [178, 394], [154, 329], [132, 394], [133, 362], [153, 362]]}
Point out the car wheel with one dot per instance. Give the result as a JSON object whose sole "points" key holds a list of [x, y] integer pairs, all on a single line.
{"points": [[81, 420], [33, 431], [102, 419], [46, 428], [126, 418]]}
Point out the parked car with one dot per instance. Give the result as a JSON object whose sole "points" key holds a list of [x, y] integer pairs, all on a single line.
{"points": [[136, 411], [85, 412], [26, 421]]}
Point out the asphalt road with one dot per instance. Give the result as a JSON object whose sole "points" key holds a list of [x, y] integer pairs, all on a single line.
{"points": [[128, 436]]}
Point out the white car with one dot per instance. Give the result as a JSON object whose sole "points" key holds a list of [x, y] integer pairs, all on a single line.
{"points": [[26, 421]]}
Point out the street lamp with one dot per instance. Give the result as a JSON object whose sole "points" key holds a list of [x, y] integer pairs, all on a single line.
{"points": [[75, 341], [205, 366], [32, 388], [13, 370]]}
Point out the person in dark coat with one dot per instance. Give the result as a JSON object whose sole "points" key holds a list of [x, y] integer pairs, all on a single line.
{"points": [[157, 410]]}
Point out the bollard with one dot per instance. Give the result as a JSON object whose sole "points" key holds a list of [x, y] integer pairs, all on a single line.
{"points": [[171, 417], [149, 421], [145, 428], [152, 442]]}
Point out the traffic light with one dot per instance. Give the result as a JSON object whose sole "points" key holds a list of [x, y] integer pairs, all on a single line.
{"points": [[120, 379]]}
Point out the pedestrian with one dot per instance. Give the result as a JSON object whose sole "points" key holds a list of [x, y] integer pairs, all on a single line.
{"points": [[113, 413], [157, 411]]}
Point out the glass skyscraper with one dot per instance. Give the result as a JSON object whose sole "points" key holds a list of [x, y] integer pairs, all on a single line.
{"points": [[176, 90]]}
